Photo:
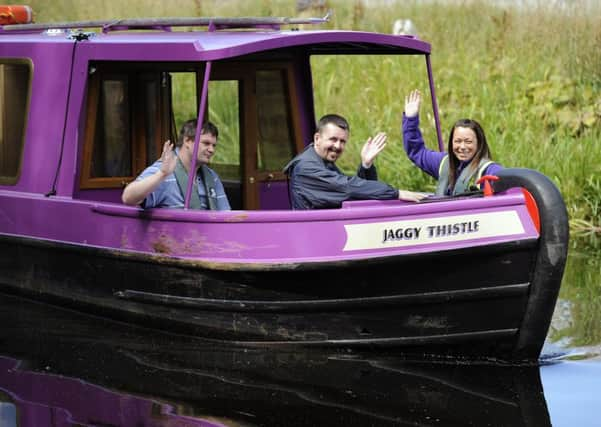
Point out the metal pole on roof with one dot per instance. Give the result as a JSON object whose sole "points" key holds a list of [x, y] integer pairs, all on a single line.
{"points": [[434, 103], [201, 112], [218, 22]]}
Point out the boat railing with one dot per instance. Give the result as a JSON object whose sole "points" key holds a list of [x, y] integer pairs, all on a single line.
{"points": [[165, 24], [379, 209]]}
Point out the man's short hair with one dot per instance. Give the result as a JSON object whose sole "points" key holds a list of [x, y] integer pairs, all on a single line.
{"points": [[334, 119], [188, 130]]}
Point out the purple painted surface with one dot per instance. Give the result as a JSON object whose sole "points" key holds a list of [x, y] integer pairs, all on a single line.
{"points": [[46, 399], [274, 195], [46, 110], [236, 236], [112, 195], [219, 45]]}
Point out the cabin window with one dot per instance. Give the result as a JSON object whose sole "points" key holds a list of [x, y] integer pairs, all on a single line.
{"points": [[112, 148], [255, 106], [151, 89], [224, 112], [134, 107], [275, 130], [183, 98], [15, 78], [129, 118]]}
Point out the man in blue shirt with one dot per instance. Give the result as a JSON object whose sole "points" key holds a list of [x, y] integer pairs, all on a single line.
{"points": [[164, 183]]}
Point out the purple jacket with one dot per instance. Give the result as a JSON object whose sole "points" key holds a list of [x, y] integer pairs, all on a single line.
{"points": [[425, 159]]}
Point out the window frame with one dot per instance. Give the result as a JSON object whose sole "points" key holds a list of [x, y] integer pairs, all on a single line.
{"points": [[252, 180], [13, 180], [136, 77]]}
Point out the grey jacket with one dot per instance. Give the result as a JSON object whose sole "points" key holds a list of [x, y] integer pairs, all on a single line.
{"points": [[318, 184]]}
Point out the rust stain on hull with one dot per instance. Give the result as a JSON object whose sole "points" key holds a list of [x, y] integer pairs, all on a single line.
{"points": [[241, 217], [197, 246]]}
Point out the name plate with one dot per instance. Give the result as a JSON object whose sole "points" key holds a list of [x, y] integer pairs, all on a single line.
{"points": [[428, 231]]}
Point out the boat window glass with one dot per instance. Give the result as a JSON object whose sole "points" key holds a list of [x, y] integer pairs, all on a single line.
{"points": [[343, 95], [112, 145], [14, 98], [275, 131], [150, 88], [130, 115], [224, 112], [183, 98]]}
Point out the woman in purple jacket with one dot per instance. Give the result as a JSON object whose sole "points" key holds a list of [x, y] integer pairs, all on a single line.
{"points": [[466, 160]]}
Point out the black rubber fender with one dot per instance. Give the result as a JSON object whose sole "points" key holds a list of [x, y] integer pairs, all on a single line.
{"points": [[550, 261]]}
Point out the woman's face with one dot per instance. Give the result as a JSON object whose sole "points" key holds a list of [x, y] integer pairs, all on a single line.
{"points": [[465, 144]]}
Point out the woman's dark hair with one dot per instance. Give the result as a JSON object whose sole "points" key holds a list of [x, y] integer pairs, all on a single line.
{"points": [[482, 152]]}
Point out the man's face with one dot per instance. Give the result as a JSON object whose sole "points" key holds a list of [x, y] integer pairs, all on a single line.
{"points": [[206, 147], [330, 142]]}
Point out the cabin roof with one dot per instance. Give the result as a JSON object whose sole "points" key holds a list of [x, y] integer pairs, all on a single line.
{"points": [[215, 45]]}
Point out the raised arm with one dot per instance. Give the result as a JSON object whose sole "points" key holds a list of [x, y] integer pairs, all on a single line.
{"points": [[413, 142], [136, 191]]}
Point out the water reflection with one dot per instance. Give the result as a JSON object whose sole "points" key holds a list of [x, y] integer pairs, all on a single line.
{"points": [[79, 370], [576, 325], [38, 399]]}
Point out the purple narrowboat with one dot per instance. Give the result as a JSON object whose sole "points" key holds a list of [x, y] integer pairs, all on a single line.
{"points": [[84, 111]]}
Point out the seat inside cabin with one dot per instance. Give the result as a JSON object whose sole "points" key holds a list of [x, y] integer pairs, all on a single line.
{"points": [[132, 108]]}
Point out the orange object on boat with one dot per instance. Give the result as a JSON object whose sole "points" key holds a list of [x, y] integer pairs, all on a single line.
{"points": [[15, 14], [488, 191]]}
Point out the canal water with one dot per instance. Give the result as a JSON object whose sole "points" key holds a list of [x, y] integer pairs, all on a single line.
{"points": [[62, 368]]}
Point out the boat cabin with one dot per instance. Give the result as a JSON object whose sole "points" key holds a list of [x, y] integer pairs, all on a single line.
{"points": [[117, 94]]}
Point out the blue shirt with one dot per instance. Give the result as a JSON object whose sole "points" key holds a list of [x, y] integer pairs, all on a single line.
{"points": [[168, 194]]}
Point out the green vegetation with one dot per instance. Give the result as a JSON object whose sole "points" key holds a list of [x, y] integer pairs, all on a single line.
{"points": [[582, 288], [532, 77]]}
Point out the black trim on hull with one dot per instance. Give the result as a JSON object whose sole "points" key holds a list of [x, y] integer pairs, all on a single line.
{"points": [[424, 340], [324, 305]]}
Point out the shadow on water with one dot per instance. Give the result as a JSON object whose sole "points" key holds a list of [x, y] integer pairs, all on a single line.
{"points": [[61, 368]]}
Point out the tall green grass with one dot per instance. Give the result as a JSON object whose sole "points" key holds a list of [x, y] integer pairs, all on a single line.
{"points": [[532, 77]]}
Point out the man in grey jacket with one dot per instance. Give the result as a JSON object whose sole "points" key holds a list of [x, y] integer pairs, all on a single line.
{"points": [[317, 183]]}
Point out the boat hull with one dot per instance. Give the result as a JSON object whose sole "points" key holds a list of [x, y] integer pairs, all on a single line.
{"points": [[398, 302], [478, 301]]}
